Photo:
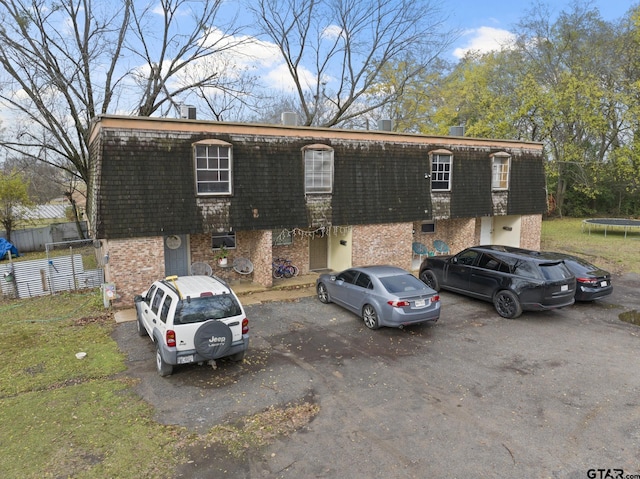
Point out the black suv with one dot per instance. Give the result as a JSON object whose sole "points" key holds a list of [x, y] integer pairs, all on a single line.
{"points": [[514, 279]]}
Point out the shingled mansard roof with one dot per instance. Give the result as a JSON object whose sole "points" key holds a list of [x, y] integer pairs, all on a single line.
{"points": [[143, 180]]}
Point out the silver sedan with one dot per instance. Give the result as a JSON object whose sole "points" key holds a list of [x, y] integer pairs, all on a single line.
{"points": [[381, 295]]}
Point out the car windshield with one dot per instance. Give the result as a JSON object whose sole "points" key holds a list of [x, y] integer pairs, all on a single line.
{"points": [[198, 310], [555, 271], [402, 283]]}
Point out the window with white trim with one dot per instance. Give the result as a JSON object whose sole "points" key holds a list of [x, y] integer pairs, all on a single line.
{"points": [[500, 164], [318, 169], [441, 170], [213, 167]]}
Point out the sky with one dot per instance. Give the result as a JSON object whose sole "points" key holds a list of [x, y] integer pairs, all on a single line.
{"points": [[484, 25], [487, 23]]}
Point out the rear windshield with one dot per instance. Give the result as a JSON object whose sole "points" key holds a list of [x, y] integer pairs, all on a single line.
{"points": [[555, 271], [198, 310], [402, 283]]}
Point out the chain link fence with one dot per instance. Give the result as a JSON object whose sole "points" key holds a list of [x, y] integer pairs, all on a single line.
{"points": [[69, 265]]}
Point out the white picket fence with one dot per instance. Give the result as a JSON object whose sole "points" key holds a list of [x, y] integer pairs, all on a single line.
{"points": [[25, 279]]}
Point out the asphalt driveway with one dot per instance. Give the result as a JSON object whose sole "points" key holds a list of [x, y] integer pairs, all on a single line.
{"points": [[549, 395]]}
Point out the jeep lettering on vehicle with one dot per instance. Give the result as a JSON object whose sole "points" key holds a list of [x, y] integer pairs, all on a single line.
{"points": [[200, 318]]}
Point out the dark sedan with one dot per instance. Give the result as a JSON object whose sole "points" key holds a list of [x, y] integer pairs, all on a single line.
{"points": [[591, 282], [381, 295], [513, 279]]}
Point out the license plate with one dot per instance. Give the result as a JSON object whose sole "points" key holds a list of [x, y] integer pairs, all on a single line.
{"points": [[420, 303], [185, 359], [603, 283], [564, 287]]}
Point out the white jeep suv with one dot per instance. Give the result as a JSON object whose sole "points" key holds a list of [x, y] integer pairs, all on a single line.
{"points": [[192, 319]]}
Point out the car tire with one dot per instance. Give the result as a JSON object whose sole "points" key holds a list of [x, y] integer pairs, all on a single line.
{"points": [[164, 369], [323, 294], [370, 317], [507, 304], [213, 339], [140, 327], [429, 278]]}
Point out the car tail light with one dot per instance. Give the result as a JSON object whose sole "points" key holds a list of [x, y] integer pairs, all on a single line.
{"points": [[398, 304], [587, 281], [245, 326], [435, 299], [170, 338]]}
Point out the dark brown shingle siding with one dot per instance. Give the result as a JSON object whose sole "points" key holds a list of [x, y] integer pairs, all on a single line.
{"points": [[527, 188]]}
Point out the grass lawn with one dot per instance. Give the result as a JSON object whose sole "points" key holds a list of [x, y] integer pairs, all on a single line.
{"points": [[613, 252], [70, 417], [80, 418]]}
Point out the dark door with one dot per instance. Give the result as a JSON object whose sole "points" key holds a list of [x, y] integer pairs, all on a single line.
{"points": [[176, 258], [318, 252]]}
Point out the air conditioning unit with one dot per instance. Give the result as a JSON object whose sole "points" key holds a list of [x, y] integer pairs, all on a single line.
{"points": [[456, 131], [289, 118], [188, 112], [385, 125]]}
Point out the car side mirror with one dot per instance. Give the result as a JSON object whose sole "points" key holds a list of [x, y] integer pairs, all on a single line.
{"points": [[454, 259], [137, 298]]}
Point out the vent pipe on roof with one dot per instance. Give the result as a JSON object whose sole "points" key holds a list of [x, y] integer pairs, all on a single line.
{"points": [[188, 112], [385, 125], [289, 118], [456, 130]]}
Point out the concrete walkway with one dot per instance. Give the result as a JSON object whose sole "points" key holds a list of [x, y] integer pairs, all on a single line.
{"points": [[286, 289]]}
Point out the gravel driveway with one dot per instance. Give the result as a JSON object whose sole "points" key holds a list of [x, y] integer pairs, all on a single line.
{"points": [[549, 395]]}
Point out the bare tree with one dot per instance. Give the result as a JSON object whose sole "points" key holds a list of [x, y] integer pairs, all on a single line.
{"points": [[335, 50], [63, 62]]}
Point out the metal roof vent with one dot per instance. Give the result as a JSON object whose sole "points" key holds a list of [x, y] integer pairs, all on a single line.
{"points": [[385, 125], [456, 130], [289, 118], [188, 112]]}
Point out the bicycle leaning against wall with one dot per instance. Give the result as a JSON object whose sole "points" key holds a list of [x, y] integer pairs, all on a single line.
{"points": [[283, 269]]}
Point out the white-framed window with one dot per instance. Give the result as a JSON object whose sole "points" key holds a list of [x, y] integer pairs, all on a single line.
{"points": [[441, 163], [318, 169], [500, 166], [213, 164]]}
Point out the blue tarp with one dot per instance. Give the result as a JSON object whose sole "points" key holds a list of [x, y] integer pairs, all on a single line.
{"points": [[5, 246]]}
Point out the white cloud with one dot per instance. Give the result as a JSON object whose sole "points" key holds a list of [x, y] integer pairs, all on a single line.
{"points": [[262, 58], [332, 31], [485, 39]]}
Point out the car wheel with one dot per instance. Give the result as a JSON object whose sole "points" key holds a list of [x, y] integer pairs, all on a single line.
{"points": [[370, 317], [507, 304], [429, 278], [140, 327], [213, 339], [323, 294], [164, 369]]}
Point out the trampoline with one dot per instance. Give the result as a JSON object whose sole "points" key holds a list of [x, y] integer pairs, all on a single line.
{"points": [[610, 223]]}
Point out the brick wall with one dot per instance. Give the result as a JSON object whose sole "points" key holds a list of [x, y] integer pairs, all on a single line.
{"points": [[133, 265], [382, 244], [531, 231], [249, 244], [458, 233]]}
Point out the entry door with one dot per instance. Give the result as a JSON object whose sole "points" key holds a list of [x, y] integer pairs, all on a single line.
{"points": [[176, 255], [318, 252], [486, 230]]}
